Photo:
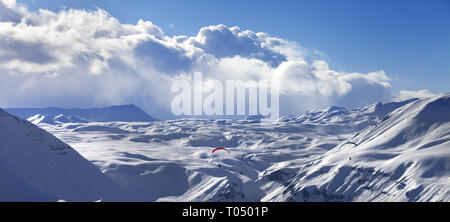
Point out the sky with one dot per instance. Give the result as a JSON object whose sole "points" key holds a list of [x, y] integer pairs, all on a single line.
{"points": [[90, 53], [409, 39]]}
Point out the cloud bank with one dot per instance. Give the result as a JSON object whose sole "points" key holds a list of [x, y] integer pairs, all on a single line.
{"points": [[79, 58], [405, 94]]}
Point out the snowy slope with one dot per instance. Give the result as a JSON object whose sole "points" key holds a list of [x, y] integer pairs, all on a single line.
{"points": [[404, 157], [36, 166], [357, 119], [402, 154], [54, 115]]}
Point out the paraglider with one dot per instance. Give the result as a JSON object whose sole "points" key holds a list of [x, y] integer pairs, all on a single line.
{"points": [[220, 148], [352, 143], [216, 160]]}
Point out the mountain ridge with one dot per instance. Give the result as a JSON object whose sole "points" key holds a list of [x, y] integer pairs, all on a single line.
{"points": [[125, 113], [403, 157], [39, 167], [382, 152]]}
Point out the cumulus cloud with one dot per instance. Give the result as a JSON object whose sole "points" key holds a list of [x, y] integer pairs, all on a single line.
{"points": [[224, 42], [88, 58], [405, 95]]}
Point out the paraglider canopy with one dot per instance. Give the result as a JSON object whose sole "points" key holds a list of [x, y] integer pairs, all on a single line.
{"points": [[220, 148], [352, 143]]}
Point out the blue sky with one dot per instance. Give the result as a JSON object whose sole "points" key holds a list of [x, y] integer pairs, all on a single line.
{"points": [[409, 40], [94, 53]]}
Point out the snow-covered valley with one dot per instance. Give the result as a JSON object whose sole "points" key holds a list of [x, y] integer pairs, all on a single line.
{"points": [[397, 151]]}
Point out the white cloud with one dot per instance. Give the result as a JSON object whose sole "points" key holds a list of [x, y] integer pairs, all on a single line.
{"points": [[405, 95], [88, 58]]}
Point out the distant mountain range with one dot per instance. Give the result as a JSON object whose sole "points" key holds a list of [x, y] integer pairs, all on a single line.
{"points": [[52, 115]]}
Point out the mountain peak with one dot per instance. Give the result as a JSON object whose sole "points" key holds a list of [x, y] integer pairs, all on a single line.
{"points": [[437, 110], [335, 108], [37, 166]]}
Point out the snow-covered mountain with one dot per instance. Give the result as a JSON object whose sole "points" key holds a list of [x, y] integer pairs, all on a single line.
{"points": [[391, 151], [404, 157], [36, 166], [55, 115], [358, 119]]}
